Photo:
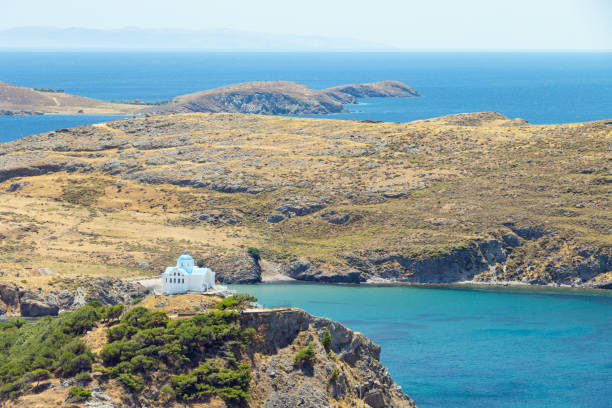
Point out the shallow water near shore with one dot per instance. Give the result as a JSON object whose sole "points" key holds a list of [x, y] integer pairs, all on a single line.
{"points": [[475, 346]]}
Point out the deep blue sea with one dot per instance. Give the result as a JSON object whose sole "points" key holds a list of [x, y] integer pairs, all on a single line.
{"points": [[539, 87], [452, 347]]}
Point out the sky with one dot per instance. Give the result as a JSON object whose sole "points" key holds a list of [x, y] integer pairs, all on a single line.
{"points": [[403, 24]]}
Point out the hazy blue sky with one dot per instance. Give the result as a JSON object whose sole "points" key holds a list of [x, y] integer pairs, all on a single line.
{"points": [[408, 24]]}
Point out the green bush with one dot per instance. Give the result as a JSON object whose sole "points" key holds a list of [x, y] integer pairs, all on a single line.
{"points": [[78, 393], [208, 380], [333, 378], [326, 340], [305, 355], [38, 375], [131, 381], [254, 253], [83, 376], [238, 301], [114, 312], [137, 300], [49, 344]]}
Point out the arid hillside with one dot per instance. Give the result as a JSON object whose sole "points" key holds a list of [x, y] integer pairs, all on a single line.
{"points": [[471, 197], [19, 100]]}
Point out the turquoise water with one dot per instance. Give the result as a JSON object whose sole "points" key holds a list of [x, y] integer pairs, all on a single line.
{"points": [[540, 87], [452, 347]]}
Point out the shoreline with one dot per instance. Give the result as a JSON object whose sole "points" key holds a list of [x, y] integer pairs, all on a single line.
{"points": [[511, 286]]}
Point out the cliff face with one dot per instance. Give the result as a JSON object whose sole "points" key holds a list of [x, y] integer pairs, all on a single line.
{"points": [[348, 371]]}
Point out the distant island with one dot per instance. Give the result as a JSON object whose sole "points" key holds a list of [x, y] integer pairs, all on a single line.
{"points": [[271, 98]]}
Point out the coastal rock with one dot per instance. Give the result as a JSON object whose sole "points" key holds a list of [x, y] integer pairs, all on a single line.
{"points": [[31, 305], [303, 270], [456, 265], [235, 269], [360, 374]]}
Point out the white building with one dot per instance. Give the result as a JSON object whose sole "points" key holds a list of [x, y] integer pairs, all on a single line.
{"points": [[186, 277]]}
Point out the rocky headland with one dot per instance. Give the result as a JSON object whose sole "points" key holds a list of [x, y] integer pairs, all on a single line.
{"points": [[149, 356], [281, 98], [269, 98], [463, 198]]}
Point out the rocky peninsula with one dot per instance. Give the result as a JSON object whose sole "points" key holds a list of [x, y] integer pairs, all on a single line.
{"points": [[464, 198], [192, 350], [271, 98]]}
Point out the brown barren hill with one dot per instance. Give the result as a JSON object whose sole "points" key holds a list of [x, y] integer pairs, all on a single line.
{"points": [[471, 197], [18, 100]]}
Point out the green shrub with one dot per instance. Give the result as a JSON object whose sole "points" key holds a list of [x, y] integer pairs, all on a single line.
{"points": [[38, 375], [114, 312], [83, 376], [71, 364], [238, 301], [333, 378], [305, 355], [326, 340], [254, 253], [137, 300], [119, 332], [131, 381], [78, 393], [200, 263], [208, 380]]}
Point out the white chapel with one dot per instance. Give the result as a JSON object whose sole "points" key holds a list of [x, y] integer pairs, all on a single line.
{"points": [[186, 277]]}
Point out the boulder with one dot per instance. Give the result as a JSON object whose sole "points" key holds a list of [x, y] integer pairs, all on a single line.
{"points": [[299, 210], [31, 305], [274, 218], [336, 217]]}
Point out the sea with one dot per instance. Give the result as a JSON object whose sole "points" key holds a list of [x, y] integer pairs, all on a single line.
{"points": [[446, 347], [542, 88], [475, 347]]}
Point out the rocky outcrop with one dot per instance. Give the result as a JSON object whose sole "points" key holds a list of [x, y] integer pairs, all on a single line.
{"points": [[16, 300], [303, 270], [299, 210], [235, 268], [349, 369]]}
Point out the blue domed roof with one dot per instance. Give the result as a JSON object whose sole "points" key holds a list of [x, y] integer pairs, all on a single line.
{"points": [[185, 257]]}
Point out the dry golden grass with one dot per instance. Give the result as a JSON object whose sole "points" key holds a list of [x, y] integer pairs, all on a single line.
{"points": [[460, 183]]}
